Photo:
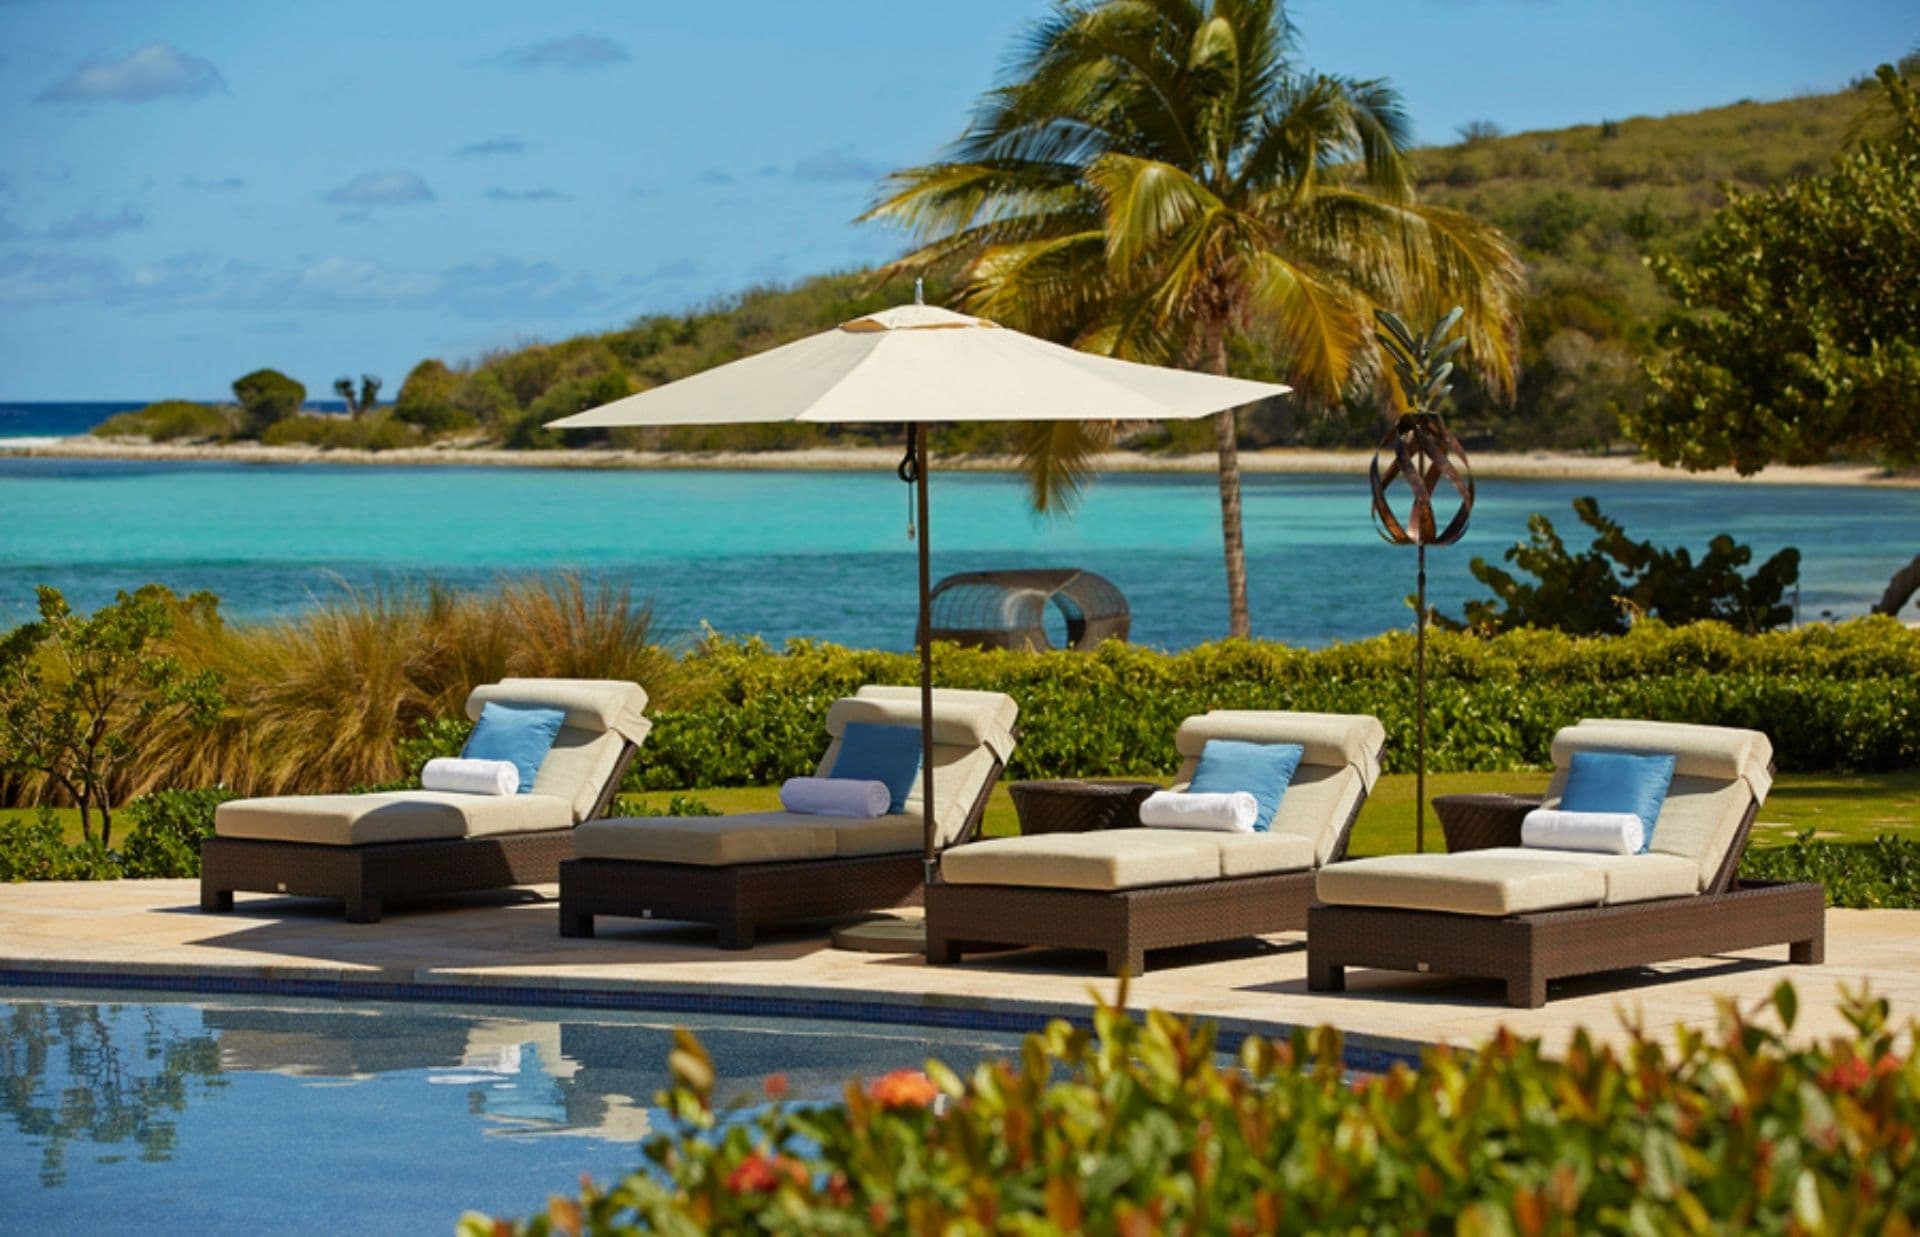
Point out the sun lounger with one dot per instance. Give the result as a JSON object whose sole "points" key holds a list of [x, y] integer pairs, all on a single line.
{"points": [[1122, 892], [740, 872], [1526, 915], [366, 848]]}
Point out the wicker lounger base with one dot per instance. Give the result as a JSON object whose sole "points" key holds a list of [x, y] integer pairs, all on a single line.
{"points": [[363, 876], [736, 899], [1525, 951], [1122, 924]]}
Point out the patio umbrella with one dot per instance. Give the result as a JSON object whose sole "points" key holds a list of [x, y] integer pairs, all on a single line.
{"points": [[918, 365]]}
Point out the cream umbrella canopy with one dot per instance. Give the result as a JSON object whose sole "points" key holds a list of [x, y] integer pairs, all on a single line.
{"points": [[919, 365]]}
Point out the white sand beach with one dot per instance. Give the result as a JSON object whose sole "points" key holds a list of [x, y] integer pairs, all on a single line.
{"points": [[1536, 465]]}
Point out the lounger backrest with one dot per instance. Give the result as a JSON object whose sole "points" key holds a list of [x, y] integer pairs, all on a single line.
{"points": [[1718, 774], [972, 741], [603, 716], [1337, 770]]}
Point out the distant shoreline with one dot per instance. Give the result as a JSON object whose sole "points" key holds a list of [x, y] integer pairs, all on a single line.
{"points": [[1523, 465]]}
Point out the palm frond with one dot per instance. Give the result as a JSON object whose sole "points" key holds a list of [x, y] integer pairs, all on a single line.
{"points": [[1319, 325], [1057, 458]]}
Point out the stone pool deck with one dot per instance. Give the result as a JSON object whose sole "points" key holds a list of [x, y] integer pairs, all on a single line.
{"points": [[152, 934]]}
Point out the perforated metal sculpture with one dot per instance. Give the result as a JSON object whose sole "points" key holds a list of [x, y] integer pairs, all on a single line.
{"points": [[1425, 454]]}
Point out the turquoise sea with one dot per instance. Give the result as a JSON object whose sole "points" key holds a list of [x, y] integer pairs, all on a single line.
{"points": [[826, 554]]}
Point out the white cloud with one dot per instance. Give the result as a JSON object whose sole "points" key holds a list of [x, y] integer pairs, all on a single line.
{"points": [[380, 189], [576, 51], [542, 194], [156, 71]]}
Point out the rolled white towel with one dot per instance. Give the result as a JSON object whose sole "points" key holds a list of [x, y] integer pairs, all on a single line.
{"points": [[835, 796], [470, 777], [1222, 813], [1609, 833]]}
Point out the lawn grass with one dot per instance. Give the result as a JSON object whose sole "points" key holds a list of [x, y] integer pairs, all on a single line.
{"points": [[1849, 807], [1843, 807]]}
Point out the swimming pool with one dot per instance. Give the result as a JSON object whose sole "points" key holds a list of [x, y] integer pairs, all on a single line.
{"points": [[267, 1115]]}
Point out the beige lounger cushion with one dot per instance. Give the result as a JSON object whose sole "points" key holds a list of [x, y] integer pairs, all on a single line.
{"points": [[972, 735], [711, 841], [1339, 766], [1504, 881], [602, 716], [1124, 858], [593, 705], [1719, 772], [1109, 859], [396, 816], [1254, 854]]}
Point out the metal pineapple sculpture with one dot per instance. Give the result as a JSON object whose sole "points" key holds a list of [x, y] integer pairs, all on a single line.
{"points": [[1424, 455]]}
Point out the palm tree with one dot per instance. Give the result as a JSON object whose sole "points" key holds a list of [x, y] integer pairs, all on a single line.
{"points": [[1157, 181]]}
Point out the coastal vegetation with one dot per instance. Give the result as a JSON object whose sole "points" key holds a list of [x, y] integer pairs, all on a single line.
{"points": [[1159, 181], [1798, 333], [1615, 582], [1141, 1127]]}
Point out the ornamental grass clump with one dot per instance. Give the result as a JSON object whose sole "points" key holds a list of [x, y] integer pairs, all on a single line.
{"points": [[1139, 1127]]}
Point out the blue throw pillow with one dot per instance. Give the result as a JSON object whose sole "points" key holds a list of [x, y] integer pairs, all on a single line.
{"points": [[1619, 782], [1263, 770], [889, 755], [517, 733]]}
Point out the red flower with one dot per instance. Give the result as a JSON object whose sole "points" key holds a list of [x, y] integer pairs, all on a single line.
{"points": [[903, 1088], [763, 1174], [1848, 1075], [775, 1086]]}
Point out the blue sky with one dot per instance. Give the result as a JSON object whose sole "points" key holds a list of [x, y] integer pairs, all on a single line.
{"points": [[191, 190]]}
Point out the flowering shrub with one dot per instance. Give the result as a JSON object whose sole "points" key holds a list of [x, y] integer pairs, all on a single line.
{"points": [[1137, 1127]]}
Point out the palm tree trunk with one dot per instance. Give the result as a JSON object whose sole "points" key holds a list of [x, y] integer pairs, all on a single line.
{"points": [[1904, 584], [1226, 438]]}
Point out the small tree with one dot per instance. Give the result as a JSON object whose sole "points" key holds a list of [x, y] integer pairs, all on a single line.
{"points": [[267, 396], [71, 688], [1798, 332], [368, 397], [1600, 591]]}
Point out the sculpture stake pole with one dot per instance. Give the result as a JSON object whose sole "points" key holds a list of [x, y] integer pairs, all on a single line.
{"points": [[1420, 707]]}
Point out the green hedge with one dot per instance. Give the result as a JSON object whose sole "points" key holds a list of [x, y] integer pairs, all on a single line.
{"points": [[1882, 873], [1833, 697], [1139, 1128]]}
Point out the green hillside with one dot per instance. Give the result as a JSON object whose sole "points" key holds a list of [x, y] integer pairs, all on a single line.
{"points": [[1585, 205]]}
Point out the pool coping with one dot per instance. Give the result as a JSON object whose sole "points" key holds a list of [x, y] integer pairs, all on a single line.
{"points": [[1360, 1052]]}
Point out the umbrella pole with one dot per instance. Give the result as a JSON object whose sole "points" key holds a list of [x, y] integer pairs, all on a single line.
{"points": [[917, 448]]}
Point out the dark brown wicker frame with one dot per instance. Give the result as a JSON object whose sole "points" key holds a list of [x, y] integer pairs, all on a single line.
{"points": [[1122, 924], [364, 877], [1525, 951], [739, 898]]}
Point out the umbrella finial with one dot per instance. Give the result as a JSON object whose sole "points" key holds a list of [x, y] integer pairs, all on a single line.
{"points": [[919, 290]]}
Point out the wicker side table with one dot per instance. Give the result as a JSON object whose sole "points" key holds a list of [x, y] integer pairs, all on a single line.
{"points": [[1480, 822], [1079, 806]]}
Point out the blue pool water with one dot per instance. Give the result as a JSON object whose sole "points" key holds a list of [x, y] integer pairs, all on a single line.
{"points": [[826, 555], [269, 1116]]}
